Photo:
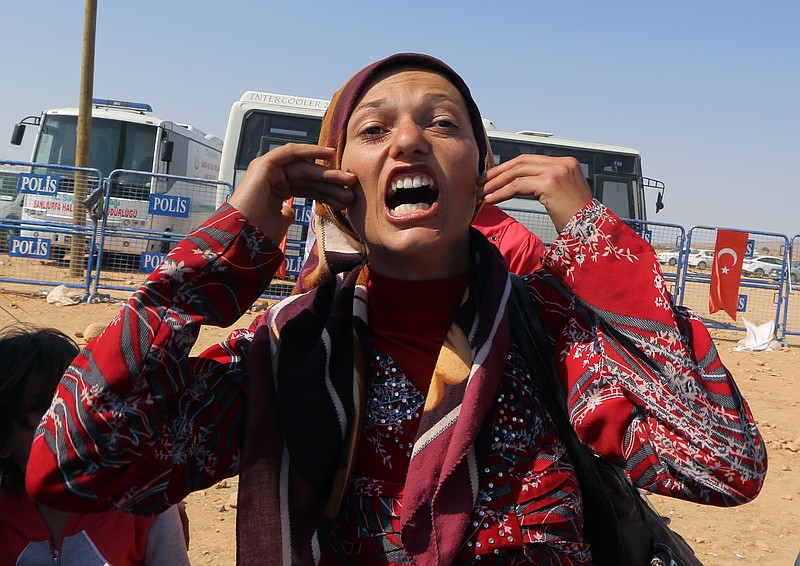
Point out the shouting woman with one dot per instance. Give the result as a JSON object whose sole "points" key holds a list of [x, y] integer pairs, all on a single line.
{"points": [[384, 413]]}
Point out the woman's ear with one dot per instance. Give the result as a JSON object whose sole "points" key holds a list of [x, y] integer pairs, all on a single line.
{"points": [[4, 453]]}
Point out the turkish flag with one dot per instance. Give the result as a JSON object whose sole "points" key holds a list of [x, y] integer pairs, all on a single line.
{"points": [[726, 273]]}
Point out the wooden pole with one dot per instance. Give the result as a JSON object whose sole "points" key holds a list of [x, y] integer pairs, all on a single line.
{"points": [[78, 245]]}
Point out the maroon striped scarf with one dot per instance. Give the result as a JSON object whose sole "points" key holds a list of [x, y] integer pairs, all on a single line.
{"points": [[305, 404], [307, 384]]}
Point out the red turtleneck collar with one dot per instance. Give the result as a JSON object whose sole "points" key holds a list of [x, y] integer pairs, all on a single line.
{"points": [[409, 320]]}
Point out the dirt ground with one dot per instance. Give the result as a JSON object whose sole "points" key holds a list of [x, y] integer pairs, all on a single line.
{"points": [[766, 531]]}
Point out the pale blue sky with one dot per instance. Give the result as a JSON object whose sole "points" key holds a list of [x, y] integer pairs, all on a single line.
{"points": [[707, 91]]}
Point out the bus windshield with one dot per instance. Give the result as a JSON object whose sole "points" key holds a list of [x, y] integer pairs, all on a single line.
{"points": [[264, 131], [114, 144]]}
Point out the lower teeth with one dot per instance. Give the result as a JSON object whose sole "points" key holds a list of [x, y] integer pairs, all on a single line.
{"points": [[411, 207]]}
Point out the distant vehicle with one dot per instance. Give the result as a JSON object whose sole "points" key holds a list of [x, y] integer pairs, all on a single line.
{"points": [[759, 266], [701, 259], [793, 275], [670, 257], [124, 135]]}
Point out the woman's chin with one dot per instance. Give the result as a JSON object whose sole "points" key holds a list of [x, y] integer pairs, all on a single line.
{"points": [[419, 253]]}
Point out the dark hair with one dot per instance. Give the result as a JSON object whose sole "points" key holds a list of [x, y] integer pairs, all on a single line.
{"points": [[32, 361]]}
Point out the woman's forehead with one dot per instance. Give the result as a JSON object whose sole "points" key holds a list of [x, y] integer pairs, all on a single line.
{"points": [[396, 83]]}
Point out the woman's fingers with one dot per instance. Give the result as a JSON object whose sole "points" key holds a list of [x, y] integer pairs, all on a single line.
{"points": [[556, 182], [291, 170], [311, 180]]}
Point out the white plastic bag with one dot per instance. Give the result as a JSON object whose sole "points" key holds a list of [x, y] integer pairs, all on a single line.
{"points": [[62, 296], [757, 337]]}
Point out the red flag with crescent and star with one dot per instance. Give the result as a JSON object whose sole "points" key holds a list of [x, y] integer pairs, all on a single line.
{"points": [[726, 273]]}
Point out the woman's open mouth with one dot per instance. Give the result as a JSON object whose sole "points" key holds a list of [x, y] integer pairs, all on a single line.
{"points": [[410, 193]]}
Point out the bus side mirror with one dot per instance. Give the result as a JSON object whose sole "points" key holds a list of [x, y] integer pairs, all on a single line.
{"points": [[19, 132], [659, 201], [166, 151]]}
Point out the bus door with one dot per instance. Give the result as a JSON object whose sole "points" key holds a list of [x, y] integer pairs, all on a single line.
{"points": [[616, 192]]}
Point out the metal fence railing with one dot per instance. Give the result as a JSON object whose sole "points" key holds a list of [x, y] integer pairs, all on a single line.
{"points": [[791, 282], [133, 219], [537, 221], [141, 217], [39, 238], [761, 294]]}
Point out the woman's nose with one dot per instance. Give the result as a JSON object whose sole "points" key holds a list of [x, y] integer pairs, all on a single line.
{"points": [[409, 137]]}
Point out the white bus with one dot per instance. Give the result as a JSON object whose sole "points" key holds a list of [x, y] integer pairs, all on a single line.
{"points": [[260, 121], [124, 135]]}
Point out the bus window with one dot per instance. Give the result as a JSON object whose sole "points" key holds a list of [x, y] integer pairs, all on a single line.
{"points": [[113, 145], [616, 163], [139, 141], [616, 193], [105, 146], [264, 131], [250, 144], [57, 140], [506, 150], [121, 145]]}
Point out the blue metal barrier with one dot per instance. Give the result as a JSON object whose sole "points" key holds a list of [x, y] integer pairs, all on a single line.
{"points": [[761, 298], [36, 212], [791, 282], [36, 232], [142, 216]]}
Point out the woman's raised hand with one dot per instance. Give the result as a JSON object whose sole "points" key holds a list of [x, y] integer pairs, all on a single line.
{"points": [[556, 182], [284, 172]]}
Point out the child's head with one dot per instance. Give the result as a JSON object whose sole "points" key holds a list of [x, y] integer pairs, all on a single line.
{"points": [[32, 361]]}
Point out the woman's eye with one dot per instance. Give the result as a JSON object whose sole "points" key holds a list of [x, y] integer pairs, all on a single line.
{"points": [[371, 132], [445, 123]]}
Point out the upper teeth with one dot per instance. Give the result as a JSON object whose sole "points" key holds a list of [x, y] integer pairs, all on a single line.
{"points": [[410, 182]]}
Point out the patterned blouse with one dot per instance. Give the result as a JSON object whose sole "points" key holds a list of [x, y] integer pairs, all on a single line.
{"points": [[528, 509], [137, 424]]}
